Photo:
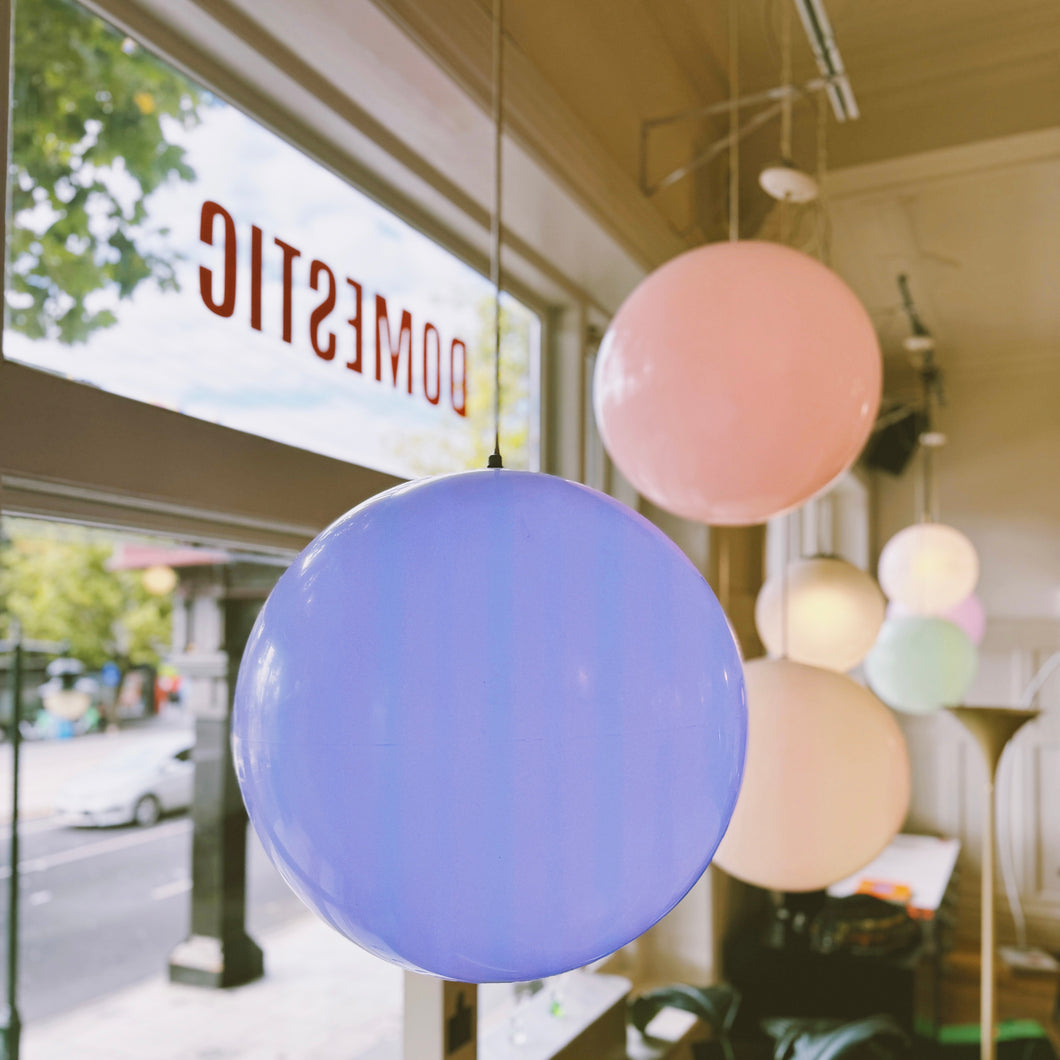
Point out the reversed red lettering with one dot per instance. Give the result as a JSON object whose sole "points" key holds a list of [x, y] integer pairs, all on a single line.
{"points": [[227, 306], [319, 314], [217, 287], [255, 277], [428, 330], [289, 254], [355, 323], [404, 341], [461, 409]]}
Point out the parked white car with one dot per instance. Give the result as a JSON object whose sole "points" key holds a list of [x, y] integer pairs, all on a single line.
{"points": [[137, 785]]}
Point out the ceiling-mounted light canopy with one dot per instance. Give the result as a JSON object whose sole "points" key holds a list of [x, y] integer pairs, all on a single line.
{"points": [[463, 743], [784, 182], [736, 382], [834, 612]]}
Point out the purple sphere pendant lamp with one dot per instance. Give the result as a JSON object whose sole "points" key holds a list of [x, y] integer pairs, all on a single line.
{"points": [[491, 725]]}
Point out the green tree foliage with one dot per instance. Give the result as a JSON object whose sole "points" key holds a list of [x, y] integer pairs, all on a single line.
{"points": [[54, 581], [88, 142], [515, 386]]}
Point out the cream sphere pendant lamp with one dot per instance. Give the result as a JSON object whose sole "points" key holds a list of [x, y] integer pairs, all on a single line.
{"points": [[820, 610], [826, 784], [834, 613]]}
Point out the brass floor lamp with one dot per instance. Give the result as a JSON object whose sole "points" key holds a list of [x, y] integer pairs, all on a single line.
{"points": [[992, 728]]}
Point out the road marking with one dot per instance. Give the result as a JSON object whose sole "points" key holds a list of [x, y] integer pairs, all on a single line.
{"points": [[32, 826], [91, 850], [40, 898], [171, 889]]}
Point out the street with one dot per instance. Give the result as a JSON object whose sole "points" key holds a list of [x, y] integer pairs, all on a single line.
{"points": [[101, 908]]}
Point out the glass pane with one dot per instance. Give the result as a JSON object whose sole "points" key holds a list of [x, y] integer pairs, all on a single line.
{"points": [[121, 673], [168, 248]]}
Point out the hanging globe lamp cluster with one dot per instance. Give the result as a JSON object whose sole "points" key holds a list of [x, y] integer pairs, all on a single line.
{"points": [[492, 726], [736, 383]]}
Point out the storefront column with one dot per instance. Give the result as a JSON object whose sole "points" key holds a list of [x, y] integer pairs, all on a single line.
{"points": [[219, 605]]}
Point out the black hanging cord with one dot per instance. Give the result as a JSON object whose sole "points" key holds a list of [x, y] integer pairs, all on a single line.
{"points": [[932, 395], [495, 247], [930, 373], [907, 304]]}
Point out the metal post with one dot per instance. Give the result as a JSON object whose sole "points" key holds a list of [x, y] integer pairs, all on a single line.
{"points": [[992, 728], [988, 926], [13, 1029]]}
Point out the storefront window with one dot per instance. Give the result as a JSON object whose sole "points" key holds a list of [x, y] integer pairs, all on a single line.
{"points": [[167, 248]]}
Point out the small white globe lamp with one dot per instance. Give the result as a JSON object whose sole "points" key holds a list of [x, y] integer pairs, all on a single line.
{"points": [[834, 612], [928, 568]]}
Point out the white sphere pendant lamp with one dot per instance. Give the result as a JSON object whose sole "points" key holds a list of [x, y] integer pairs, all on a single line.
{"points": [[928, 568]]}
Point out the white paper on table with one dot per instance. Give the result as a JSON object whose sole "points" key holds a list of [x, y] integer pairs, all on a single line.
{"points": [[922, 863]]}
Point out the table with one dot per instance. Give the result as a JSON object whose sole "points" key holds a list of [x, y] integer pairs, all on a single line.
{"points": [[792, 979]]}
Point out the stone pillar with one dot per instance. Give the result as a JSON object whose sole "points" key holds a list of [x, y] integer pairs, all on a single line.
{"points": [[217, 607]]}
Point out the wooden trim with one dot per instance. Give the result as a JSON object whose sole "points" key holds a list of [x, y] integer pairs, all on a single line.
{"points": [[944, 164], [7, 34], [457, 36], [68, 450]]}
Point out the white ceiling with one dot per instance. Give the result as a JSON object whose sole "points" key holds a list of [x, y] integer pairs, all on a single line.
{"points": [[977, 231]]}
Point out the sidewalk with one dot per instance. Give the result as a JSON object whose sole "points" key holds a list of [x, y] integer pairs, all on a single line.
{"points": [[322, 998]]}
